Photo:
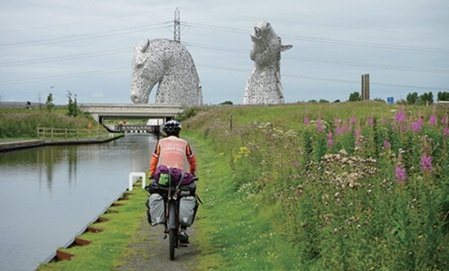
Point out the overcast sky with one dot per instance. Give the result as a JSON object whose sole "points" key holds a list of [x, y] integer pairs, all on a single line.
{"points": [[86, 47]]}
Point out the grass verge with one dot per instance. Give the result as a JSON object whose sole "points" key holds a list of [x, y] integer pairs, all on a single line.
{"points": [[106, 246], [232, 234]]}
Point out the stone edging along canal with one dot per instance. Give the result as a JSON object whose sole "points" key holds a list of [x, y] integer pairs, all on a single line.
{"points": [[18, 144], [111, 214], [93, 226]]}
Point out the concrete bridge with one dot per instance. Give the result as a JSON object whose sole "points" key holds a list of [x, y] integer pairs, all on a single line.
{"points": [[132, 111], [149, 111]]}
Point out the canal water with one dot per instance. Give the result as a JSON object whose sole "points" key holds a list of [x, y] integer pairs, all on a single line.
{"points": [[49, 194]]}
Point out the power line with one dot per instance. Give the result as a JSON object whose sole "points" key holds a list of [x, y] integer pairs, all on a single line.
{"points": [[214, 47], [325, 40], [63, 76], [366, 44], [215, 67], [358, 82], [64, 58], [224, 49], [233, 69], [317, 60], [364, 65], [81, 37], [218, 28]]}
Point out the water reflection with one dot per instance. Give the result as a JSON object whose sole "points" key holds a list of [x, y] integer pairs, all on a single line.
{"points": [[49, 194]]}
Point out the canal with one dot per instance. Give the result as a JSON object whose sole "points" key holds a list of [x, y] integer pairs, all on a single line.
{"points": [[49, 194]]}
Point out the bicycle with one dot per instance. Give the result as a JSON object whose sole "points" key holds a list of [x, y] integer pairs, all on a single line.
{"points": [[173, 225], [168, 213]]}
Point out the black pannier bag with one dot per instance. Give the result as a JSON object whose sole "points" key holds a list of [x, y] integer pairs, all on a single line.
{"points": [[154, 187], [186, 190]]}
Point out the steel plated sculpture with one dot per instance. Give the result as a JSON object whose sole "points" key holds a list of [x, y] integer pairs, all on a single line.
{"points": [[170, 64], [264, 84]]}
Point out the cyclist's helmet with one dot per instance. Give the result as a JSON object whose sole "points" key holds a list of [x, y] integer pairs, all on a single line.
{"points": [[172, 127]]}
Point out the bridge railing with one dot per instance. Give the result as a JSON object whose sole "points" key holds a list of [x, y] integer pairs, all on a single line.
{"points": [[70, 134], [138, 128]]}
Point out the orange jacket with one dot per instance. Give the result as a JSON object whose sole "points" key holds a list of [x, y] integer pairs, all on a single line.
{"points": [[173, 152]]}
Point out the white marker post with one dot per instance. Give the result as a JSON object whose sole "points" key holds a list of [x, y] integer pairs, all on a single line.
{"points": [[132, 176]]}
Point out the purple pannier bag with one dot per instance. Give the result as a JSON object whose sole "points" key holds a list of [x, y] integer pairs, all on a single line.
{"points": [[175, 175], [188, 178]]}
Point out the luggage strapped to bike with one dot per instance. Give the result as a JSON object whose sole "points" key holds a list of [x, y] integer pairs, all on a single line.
{"points": [[168, 196]]}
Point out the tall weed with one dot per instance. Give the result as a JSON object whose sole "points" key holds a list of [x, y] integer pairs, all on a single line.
{"points": [[355, 186]]}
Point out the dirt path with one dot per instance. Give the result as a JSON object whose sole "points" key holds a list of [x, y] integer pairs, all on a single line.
{"points": [[149, 251]]}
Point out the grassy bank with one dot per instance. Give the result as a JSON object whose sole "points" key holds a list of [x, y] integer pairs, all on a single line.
{"points": [[353, 186], [23, 123], [233, 234], [118, 226]]}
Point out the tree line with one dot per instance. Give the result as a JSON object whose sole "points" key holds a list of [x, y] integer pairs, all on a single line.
{"points": [[411, 98]]}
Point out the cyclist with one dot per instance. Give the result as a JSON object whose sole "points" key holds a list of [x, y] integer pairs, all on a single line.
{"points": [[173, 151]]}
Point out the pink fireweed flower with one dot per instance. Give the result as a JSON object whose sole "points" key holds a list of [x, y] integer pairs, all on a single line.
{"points": [[295, 163], [446, 132], [444, 120], [329, 135], [400, 175], [400, 116], [417, 125], [336, 121], [330, 142], [357, 133], [371, 122], [387, 144], [353, 120], [400, 119], [306, 121], [426, 164], [319, 126], [433, 121], [342, 129]]}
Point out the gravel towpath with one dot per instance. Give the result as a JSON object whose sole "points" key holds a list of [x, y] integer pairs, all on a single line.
{"points": [[149, 251]]}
